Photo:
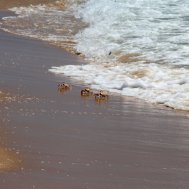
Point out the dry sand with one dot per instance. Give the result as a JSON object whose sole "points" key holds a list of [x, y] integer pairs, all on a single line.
{"points": [[70, 142]]}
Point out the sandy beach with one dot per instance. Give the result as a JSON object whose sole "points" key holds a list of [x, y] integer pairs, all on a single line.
{"points": [[60, 140]]}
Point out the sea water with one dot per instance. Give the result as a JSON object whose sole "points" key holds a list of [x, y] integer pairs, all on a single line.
{"points": [[137, 48]]}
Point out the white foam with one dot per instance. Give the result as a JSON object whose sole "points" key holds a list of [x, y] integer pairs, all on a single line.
{"points": [[158, 30]]}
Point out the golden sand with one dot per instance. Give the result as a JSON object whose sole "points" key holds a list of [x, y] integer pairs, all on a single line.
{"points": [[132, 57], [139, 73], [5, 4], [6, 97], [8, 160]]}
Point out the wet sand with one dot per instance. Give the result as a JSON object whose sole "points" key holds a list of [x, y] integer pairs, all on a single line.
{"points": [[65, 141]]}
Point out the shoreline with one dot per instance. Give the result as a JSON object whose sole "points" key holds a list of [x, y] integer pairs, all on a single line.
{"points": [[71, 142], [139, 77]]}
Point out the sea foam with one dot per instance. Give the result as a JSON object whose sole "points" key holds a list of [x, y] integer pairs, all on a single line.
{"points": [[138, 48]]}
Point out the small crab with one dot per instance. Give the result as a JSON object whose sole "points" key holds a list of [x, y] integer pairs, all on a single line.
{"points": [[63, 87], [101, 95], [86, 92]]}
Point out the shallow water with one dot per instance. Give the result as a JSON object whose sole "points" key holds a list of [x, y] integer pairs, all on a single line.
{"points": [[135, 48]]}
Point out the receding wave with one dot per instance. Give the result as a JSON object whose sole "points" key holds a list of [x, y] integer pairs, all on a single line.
{"points": [[53, 22]]}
